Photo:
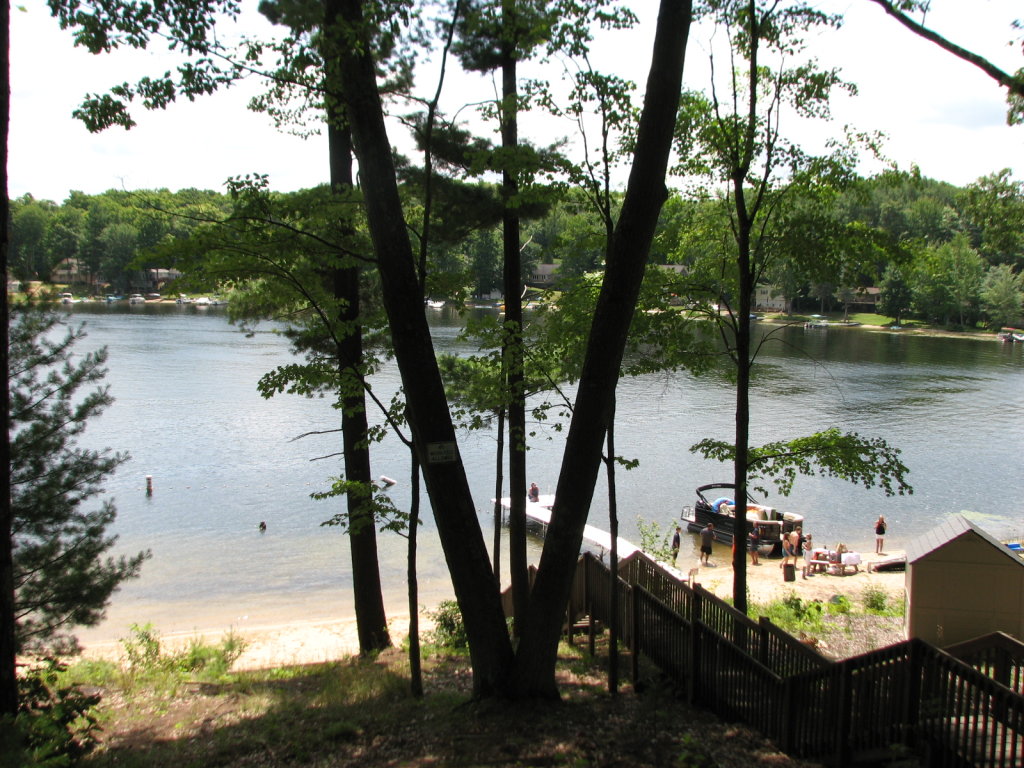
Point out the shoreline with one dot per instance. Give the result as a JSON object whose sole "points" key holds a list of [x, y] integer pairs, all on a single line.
{"points": [[312, 641], [266, 646], [780, 319]]}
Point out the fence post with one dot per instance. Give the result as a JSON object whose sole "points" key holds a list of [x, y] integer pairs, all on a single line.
{"points": [[696, 612], [842, 725], [762, 641], [588, 602], [785, 717], [913, 693], [635, 627]]}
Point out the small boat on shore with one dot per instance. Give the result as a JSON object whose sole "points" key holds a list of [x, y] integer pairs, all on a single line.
{"points": [[771, 524], [894, 563], [136, 298]]}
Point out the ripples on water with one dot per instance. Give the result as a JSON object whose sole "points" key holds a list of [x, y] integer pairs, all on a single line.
{"points": [[223, 458]]}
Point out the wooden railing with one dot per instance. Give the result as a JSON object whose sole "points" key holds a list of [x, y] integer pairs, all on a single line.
{"points": [[950, 712], [998, 655]]}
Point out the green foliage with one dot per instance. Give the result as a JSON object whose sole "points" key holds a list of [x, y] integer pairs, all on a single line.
{"points": [[876, 602], [145, 661], [56, 724], [449, 629], [653, 541], [693, 753], [865, 461], [839, 605], [895, 297], [1002, 296], [948, 283], [63, 576], [793, 614]]}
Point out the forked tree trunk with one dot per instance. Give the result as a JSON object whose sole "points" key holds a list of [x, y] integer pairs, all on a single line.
{"points": [[645, 194], [462, 540], [434, 436]]}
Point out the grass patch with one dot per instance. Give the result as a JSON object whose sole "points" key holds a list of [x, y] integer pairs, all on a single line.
{"points": [[359, 712], [796, 615], [877, 602]]}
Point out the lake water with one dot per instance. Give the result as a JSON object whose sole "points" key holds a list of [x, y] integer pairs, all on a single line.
{"points": [[223, 459]]}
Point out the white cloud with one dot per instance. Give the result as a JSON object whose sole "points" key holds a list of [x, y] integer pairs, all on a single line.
{"points": [[938, 111]]}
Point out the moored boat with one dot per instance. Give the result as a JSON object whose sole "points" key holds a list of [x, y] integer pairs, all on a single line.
{"points": [[771, 524]]}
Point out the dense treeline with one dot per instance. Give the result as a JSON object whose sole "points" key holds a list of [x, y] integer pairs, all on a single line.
{"points": [[103, 239], [947, 255]]}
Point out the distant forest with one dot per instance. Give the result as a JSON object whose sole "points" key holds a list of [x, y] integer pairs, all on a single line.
{"points": [[946, 255]]}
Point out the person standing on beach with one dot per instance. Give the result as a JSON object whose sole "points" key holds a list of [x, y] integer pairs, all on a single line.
{"points": [[707, 536], [790, 542], [676, 541], [753, 542], [879, 535]]}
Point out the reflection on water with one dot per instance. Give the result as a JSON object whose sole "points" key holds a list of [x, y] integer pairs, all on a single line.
{"points": [[223, 459]]}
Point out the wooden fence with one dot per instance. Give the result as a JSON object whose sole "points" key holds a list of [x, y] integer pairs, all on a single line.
{"points": [[910, 696]]}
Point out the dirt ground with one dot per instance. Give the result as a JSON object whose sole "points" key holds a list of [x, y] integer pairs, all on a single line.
{"points": [[766, 582]]}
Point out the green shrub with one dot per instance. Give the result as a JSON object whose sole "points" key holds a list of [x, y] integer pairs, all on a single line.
{"points": [[876, 601], [793, 614], [141, 648], [839, 604], [449, 629], [146, 660], [694, 754], [55, 725]]}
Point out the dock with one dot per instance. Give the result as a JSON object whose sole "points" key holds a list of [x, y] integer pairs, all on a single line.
{"points": [[595, 540]]}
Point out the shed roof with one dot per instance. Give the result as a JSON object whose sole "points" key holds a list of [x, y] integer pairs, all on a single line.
{"points": [[952, 528]]}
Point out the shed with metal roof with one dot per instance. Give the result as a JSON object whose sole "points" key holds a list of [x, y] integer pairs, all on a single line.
{"points": [[962, 582]]}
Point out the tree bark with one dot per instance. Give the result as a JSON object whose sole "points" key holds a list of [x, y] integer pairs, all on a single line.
{"points": [[466, 555], [645, 194], [368, 596], [513, 352], [8, 679]]}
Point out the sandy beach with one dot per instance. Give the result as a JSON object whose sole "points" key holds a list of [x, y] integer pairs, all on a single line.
{"points": [[765, 582], [308, 642], [295, 642]]}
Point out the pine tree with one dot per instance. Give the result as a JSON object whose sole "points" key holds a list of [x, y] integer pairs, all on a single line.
{"points": [[63, 576]]}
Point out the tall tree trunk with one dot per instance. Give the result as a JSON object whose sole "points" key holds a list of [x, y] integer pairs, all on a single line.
{"points": [[8, 680], [371, 619], [499, 484], [613, 527], [513, 336], [645, 194], [415, 668], [742, 324], [744, 227], [466, 555]]}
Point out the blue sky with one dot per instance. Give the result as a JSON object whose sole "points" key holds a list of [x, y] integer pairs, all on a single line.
{"points": [[939, 112]]}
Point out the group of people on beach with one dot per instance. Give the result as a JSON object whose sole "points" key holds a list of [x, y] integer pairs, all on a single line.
{"points": [[795, 545]]}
